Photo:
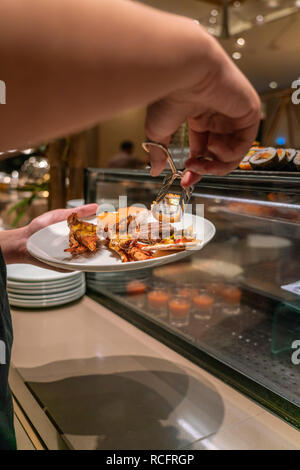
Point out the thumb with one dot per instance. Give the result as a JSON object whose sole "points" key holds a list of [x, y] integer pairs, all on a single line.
{"points": [[162, 121]]}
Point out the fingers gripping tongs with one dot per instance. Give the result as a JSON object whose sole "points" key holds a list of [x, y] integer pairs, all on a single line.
{"points": [[169, 179]]}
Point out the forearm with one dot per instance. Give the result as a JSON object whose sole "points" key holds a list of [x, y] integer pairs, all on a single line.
{"points": [[69, 64], [13, 245]]}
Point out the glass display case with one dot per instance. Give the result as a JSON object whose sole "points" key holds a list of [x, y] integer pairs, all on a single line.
{"points": [[239, 315]]}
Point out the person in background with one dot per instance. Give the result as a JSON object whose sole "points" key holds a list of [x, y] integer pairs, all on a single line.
{"points": [[68, 65], [125, 158]]}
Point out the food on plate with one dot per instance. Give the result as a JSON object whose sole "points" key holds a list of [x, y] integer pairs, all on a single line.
{"points": [[266, 159], [130, 250], [82, 237], [173, 244], [106, 220], [129, 233], [134, 238], [169, 209]]}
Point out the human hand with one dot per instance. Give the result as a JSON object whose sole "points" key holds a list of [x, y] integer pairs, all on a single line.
{"points": [[13, 242], [223, 113]]}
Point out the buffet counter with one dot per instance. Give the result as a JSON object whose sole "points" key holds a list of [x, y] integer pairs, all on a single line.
{"points": [[240, 318], [85, 378], [123, 368]]}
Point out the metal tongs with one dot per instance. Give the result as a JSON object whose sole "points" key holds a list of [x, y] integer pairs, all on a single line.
{"points": [[169, 179]]}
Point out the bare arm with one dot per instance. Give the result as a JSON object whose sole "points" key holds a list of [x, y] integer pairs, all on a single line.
{"points": [[13, 242], [69, 64]]}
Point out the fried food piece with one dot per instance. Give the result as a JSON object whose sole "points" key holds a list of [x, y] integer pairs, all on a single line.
{"points": [[129, 250], [83, 237], [114, 245], [132, 236]]}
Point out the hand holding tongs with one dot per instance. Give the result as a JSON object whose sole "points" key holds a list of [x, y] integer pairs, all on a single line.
{"points": [[169, 179]]}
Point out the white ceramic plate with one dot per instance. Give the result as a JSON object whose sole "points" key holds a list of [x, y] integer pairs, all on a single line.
{"points": [[30, 273], [48, 246], [33, 300], [36, 298], [44, 285], [46, 303], [45, 291]]}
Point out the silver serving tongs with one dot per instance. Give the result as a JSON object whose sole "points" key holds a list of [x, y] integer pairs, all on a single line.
{"points": [[169, 179]]}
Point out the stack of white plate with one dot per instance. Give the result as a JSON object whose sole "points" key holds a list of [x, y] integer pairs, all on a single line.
{"points": [[73, 203], [117, 282], [32, 287]]}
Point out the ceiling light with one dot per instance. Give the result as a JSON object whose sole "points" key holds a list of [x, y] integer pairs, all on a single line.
{"points": [[236, 55], [211, 30], [273, 85], [237, 4], [212, 20], [240, 42], [297, 3], [259, 19], [214, 12], [273, 3]]}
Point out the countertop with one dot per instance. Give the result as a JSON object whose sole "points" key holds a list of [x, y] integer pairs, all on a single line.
{"points": [[105, 384]]}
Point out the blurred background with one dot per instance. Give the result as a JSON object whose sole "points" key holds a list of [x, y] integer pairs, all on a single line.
{"points": [[261, 36]]}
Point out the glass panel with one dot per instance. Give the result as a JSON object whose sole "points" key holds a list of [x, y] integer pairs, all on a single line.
{"points": [[227, 299]]}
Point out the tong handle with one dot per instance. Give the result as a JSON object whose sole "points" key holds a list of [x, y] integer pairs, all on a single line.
{"points": [[171, 163]]}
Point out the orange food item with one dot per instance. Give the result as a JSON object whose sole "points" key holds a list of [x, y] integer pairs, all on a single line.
{"points": [[107, 218], [245, 166], [179, 307], [187, 292], [112, 218], [215, 288], [126, 211], [232, 295], [135, 288], [82, 236], [203, 302], [157, 298], [264, 155]]}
